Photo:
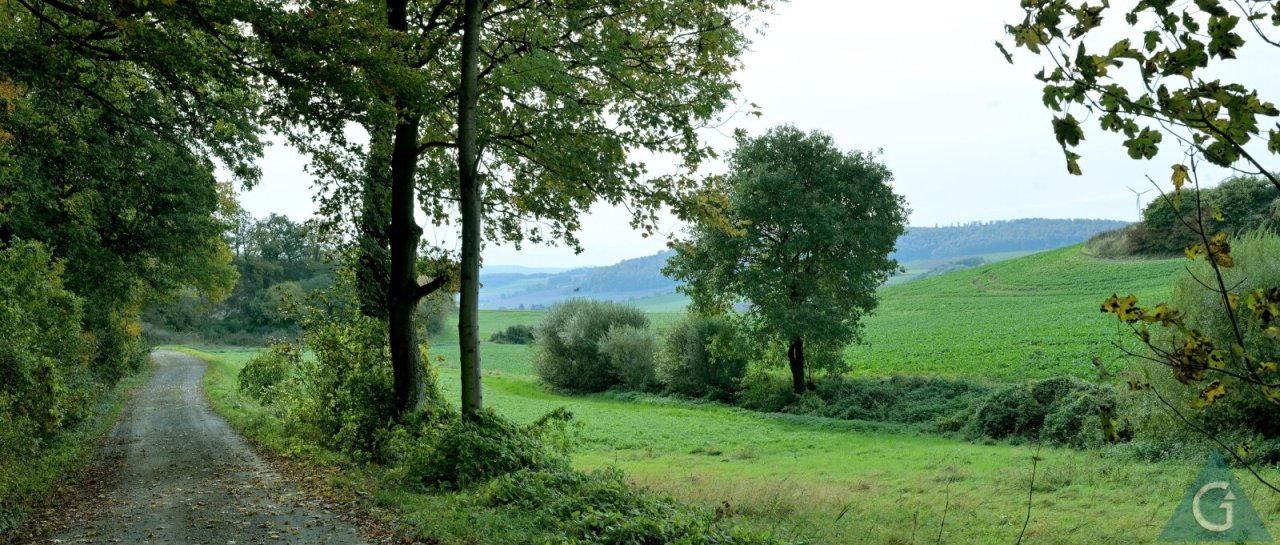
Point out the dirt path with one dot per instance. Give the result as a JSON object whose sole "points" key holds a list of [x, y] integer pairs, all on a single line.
{"points": [[184, 477]]}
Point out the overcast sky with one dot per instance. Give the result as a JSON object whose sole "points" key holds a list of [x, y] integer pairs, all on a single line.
{"points": [[964, 132]]}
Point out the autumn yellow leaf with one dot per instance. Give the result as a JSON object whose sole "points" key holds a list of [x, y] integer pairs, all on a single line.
{"points": [[1209, 394], [1124, 308], [1180, 175]]}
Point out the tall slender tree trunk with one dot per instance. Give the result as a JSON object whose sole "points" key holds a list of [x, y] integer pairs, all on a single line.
{"points": [[469, 183], [795, 356], [404, 234]]}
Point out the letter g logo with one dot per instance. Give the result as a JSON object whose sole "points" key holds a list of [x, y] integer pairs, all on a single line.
{"points": [[1225, 506]]}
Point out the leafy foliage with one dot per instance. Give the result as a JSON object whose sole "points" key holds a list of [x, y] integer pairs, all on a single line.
{"points": [[704, 357], [44, 354], [1060, 410], [261, 376], [111, 117], [806, 243], [600, 507], [1178, 93], [569, 343], [455, 452], [514, 334], [629, 351]]}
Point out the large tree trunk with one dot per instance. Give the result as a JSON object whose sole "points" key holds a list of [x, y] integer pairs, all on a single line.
{"points": [[403, 292], [795, 356], [468, 319]]}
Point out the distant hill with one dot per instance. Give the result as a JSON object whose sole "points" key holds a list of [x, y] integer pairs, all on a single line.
{"points": [[926, 251], [629, 279], [1024, 235]]}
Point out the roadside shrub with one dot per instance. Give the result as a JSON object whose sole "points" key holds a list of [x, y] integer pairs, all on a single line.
{"points": [[568, 355], [260, 376], [629, 352], [514, 334], [42, 351], [600, 507], [342, 397], [117, 338], [703, 357], [443, 450]]}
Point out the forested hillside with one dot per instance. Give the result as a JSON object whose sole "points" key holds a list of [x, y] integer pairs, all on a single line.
{"points": [[627, 279], [983, 237]]}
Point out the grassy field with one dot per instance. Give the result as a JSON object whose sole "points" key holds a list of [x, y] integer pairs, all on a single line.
{"points": [[1032, 317], [830, 481], [847, 482]]}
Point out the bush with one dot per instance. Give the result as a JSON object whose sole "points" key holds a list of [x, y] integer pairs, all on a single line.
{"points": [[261, 375], [600, 507], [703, 357], [1244, 412], [515, 334], [765, 392], [629, 352], [42, 351], [1062, 410], [902, 400], [446, 451], [1116, 242], [569, 337]]}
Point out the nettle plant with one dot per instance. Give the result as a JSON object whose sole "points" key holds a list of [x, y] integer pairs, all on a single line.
{"points": [[1157, 76]]}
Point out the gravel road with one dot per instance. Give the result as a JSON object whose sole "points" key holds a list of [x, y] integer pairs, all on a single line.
{"points": [[184, 477]]}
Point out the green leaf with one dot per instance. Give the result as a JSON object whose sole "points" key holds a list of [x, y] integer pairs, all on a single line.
{"points": [[1145, 145], [1007, 57], [1212, 7], [1073, 163], [1224, 41], [1151, 39], [1273, 145], [1067, 130]]}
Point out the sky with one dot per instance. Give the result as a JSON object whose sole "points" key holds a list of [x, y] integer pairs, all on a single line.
{"points": [[963, 131]]}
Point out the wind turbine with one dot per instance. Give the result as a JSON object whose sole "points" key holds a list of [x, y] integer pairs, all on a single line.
{"points": [[1137, 198]]}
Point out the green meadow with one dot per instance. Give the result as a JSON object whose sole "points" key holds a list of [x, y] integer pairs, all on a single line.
{"points": [[836, 481]]}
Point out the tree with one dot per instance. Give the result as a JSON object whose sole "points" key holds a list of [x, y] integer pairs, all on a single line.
{"points": [[111, 117], [563, 94], [1162, 79], [808, 241]]}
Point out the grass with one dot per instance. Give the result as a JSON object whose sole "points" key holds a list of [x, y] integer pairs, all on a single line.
{"points": [[853, 482], [827, 480], [1032, 317]]}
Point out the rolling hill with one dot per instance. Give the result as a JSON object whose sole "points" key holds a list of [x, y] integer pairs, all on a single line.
{"points": [[922, 251]]}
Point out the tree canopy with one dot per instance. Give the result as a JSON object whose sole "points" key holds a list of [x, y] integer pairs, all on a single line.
{"points": [[807, 241], [522, 114], [111, 119]]}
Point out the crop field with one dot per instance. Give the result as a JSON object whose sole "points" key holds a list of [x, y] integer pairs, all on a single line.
{"points": [[1032, 317], [855, 482]]}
